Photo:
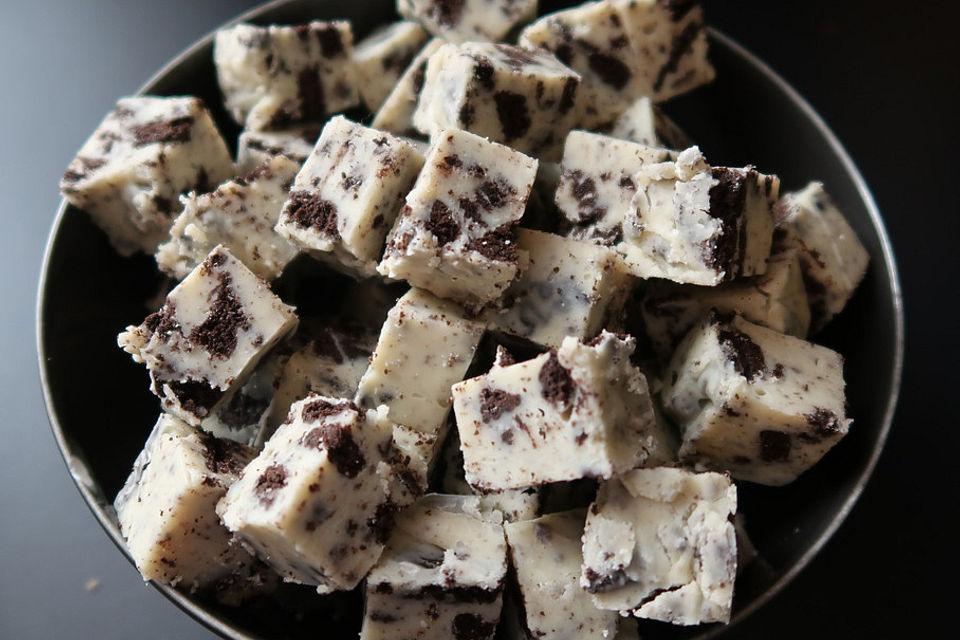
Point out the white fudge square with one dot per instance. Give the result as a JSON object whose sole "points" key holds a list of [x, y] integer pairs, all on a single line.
{"points": [[213, 329], [754, 402], [382, 57], [695, 224], [240, 214], [167, 513], [256, 147], [396, 112], [277, 76], [441, 575], [455, 236], [831, 256], [314, 503], [569, 288], [659, 543], [777, 300], [547, 558], [581, 411], [146, 152], [464, 20], [524, 98], [598, 182], [425, 346], [347, 194]]}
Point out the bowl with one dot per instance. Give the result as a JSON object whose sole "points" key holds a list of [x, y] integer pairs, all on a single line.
{"points": [[101, 410]]}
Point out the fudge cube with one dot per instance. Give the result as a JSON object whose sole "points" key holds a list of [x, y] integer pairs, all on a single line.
{"points": [[347, 195], [425, 346], [313, 504], [396, 112], [645, 123], [581, 411], [831, 256], [382, 57], [524, 98], [463, 20], [660, 544], [569, 288], [777, 300], [167, 512], [240, 214], [256, 147], [692, 223], [441, 575], [277, 76], [597, 183], [455, 236], [754, 402], [546, 555], [208, 337], [144, 154]]}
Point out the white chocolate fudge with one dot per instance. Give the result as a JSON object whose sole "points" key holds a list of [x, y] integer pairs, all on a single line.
{"points": [[146, 152], [167, 512], [569, 288], [347, 195], [598, 182], [831, 256], [524, 98], [396, 112], [441, 575], [209, 336], [777, 300], [425, 346], [645, 123], [660, 544], [455, 236], [382, 57], [313, 504], [240, 214], [463, 20], [256, 147], [754, 402], [546, 555], [581, 411], [277, 76], [692, 223]]}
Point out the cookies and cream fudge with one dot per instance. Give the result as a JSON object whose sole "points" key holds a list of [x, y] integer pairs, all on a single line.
{"points": [[749, 400], [580, 411], [396, 112], [277, 76], [598, 182], [831, 256], [425, 346], [569, 288], [465, 20], [382, 57], [167, 512], [689, 222], [659, 544], [441, 574], [524, 98], [455, 237], [546, 555], [313, 504], [777, 300], [208, 337], [256, 147], [239, 214], [645, 123], [129, 174], [348, 192]]}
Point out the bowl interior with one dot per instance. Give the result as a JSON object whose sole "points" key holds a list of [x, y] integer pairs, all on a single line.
{"points": [[101, 409]]}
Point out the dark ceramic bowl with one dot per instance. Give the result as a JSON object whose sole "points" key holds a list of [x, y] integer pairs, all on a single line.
{"points": [[101, 410]]}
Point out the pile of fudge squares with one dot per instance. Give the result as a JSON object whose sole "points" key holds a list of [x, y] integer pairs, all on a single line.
{"points": [[535, 201]]}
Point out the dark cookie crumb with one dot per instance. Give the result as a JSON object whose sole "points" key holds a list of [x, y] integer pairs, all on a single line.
{"points": [[176, 130], [746, 355], [442, 223], [774, 446], [495, 402], [311, 211], [270, 481], [558, 386]]}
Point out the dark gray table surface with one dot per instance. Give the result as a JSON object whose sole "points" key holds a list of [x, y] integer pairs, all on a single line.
{"points": [[883, 75]]}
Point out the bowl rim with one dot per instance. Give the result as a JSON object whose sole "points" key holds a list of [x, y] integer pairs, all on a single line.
{"points": [[81, 477]]}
